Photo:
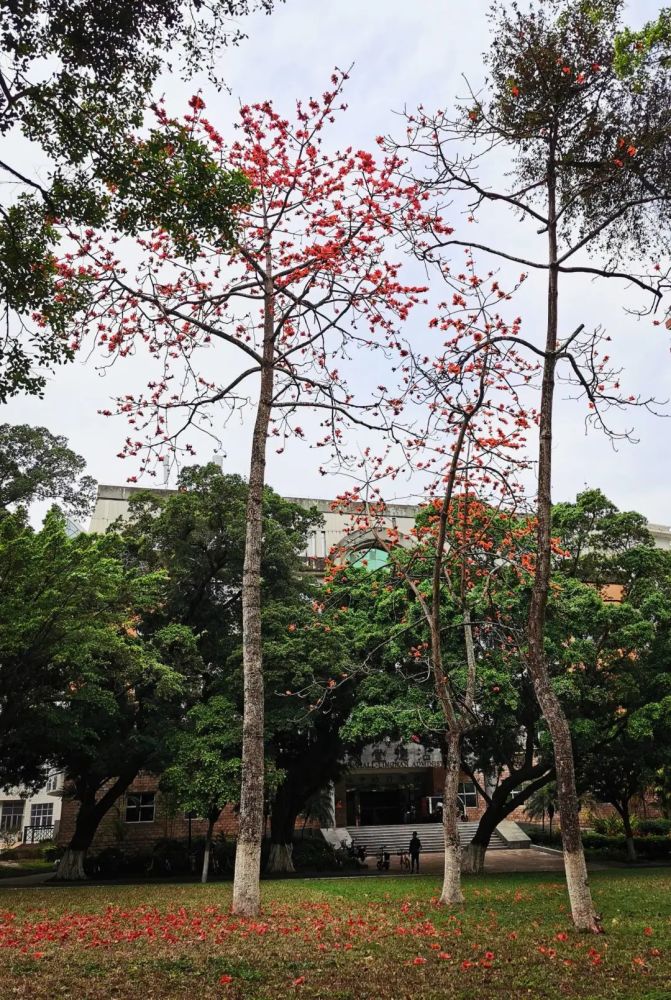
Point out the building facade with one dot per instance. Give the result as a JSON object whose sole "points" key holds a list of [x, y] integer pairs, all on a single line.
{"points": [[28, 818], [384, 785]]}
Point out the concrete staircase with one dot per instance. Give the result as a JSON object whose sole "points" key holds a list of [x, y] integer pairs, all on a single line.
{"points": [[396, 838]]}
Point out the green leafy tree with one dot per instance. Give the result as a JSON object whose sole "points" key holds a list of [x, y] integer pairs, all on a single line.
{"points": [[38, 465], [624, 657], [61, 600], [82, 688], [197, 536], [541, 804], [116, 718], [312, 686], [637, 52], [205, 773], [75, 80]]}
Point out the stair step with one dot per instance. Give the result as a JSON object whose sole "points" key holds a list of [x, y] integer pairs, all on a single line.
{"points": [[397, 837]]}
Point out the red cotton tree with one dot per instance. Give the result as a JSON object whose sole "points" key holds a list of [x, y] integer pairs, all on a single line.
{"points": [[301, 283], [466, 437], [586, 157]]}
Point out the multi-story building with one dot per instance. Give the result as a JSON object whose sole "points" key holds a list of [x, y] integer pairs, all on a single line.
{"points": [[386, 785], [28, 818]]}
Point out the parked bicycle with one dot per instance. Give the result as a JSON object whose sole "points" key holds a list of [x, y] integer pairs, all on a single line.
{"points": [[383, 859]]}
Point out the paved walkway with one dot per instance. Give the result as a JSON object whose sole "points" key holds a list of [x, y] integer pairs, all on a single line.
{"points": [[532, 859], [18, 880]]}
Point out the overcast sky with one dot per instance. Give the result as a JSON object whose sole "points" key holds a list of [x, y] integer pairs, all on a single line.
{"points": [[403, 54]]}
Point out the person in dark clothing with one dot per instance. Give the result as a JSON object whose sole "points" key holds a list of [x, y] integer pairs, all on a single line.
{"points": [[413, 851]]}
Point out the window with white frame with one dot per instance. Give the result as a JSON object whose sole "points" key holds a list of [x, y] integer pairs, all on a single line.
{"points": [[140, 807], [468, 794], [42, 814], [52, 782], [11, 814]]}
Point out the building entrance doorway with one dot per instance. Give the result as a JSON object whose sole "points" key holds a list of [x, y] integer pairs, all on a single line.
{"points": [[381, 808], [385, 798]]}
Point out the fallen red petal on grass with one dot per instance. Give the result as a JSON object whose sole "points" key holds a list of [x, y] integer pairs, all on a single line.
{"points": [[224, 980]]}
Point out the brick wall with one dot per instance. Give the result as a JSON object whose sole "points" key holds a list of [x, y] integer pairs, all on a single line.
{"points": [[114, 831]]}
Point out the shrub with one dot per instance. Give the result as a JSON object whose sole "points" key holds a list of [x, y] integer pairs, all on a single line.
{"points": [[653, 847], [658, 827], [611, 826], [169, 857], [650, 847], [108, 863], [26, 852], [541, 837]]}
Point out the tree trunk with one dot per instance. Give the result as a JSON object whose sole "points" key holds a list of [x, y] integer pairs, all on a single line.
{"points": [[282, 825], [208, 850], [280, 859], [582, 908], [452, 894], [246, 880], [474, 855], [529, 779], [90, 813], [71, 865], [628, 833]]}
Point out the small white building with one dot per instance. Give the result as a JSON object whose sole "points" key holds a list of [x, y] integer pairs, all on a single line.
{"points": [[29, 818]]}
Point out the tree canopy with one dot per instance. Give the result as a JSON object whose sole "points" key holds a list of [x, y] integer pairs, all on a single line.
{"points": [[75, 81], [38, 465]]}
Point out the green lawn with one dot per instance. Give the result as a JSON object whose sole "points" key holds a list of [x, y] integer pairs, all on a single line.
{"points": [[27, 866], [345, 939]]}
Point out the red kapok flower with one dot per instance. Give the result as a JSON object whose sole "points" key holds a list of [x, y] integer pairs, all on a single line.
{"points": [[225, 980]]}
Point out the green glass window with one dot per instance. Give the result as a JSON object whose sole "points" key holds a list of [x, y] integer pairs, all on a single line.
{"points": [[370, 559]]}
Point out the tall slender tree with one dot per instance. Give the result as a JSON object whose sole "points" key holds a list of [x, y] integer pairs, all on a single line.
{"points": [[307, 268], [587, 154], [469, 429]]}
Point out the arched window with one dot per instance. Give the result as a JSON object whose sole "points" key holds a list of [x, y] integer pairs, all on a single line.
{"points": [[370, 559]]}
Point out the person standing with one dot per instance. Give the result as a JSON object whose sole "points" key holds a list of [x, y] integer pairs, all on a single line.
{"points": [[413, 850]]}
